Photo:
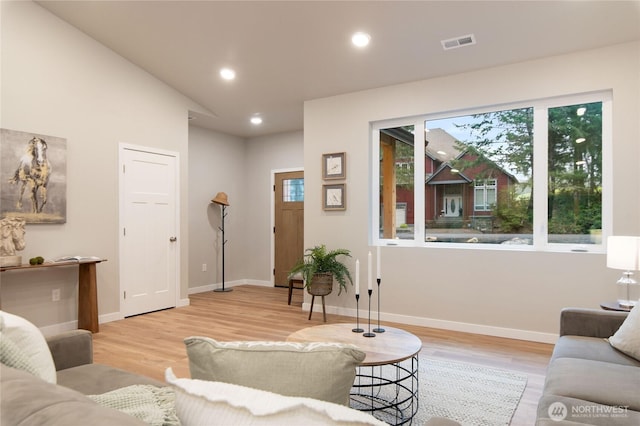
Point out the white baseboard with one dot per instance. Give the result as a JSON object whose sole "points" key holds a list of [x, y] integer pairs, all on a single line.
{"points": [[487, 330], [113, 316], [509, 333], [227, 284]]}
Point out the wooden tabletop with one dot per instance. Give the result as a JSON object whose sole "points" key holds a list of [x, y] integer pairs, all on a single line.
{"points": [[49, 264], [394, 345]]}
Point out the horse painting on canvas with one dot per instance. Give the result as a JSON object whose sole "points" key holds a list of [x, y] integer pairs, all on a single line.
{"points": [[33, 176], [33, 173]]}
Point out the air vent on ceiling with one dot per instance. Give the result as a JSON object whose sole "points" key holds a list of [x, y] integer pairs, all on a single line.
{"points": [[456, 42]]}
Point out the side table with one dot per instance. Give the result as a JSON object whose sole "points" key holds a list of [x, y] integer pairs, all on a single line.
{"points": [[614, 306]]}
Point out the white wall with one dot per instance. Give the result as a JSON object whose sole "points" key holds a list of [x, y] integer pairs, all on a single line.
{"points": [[513, 294], [216, 164], [57, 81], [242, 169], [264, 155]]}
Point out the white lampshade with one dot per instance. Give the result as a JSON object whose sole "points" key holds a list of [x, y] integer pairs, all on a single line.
{"points": [[623, 253]]}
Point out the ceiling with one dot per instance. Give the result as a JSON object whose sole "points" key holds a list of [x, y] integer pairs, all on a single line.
{"points": [[286, 52]]}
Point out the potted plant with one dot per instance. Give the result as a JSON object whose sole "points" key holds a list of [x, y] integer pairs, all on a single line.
{"points": [[319, 267]]}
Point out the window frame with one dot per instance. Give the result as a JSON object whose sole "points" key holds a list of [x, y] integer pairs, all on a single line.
{"points": [[485, 187], [539, 170]]}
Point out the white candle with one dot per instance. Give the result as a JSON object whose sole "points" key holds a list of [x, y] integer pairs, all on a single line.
{"points": [[378, 262], [370, 274], [357, 276]]}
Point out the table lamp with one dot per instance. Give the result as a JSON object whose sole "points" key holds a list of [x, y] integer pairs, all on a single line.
{"points": [[624, 253]]}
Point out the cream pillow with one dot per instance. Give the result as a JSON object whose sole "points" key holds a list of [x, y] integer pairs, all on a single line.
{"points": [[627, 338], [12, 356], [324, 371], [201, 402], [28, 338]]}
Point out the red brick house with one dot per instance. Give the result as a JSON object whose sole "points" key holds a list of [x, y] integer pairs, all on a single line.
{"points": [[461, 187]]}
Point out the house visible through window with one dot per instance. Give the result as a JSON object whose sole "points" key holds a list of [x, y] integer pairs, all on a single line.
{"points": [[470, 178]]}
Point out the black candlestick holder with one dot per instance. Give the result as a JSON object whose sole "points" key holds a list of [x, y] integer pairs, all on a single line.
{"points": [[357, 329], [379, 329], [369, 333]]}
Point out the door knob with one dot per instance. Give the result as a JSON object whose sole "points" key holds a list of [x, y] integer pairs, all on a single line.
{"points": [[173, 239]]}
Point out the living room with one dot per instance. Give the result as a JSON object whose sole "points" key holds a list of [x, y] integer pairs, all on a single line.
{"points": [[58, 81]]}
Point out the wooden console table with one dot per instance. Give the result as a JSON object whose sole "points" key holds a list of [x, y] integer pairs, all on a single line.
{"points": [[87, 289]]}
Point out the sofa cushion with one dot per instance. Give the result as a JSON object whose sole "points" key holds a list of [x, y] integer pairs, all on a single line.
{"points": [[593, 348], [30, 341], [324, 371], [93, 379], [199, 402], [627, 338], [30, 401], [595, 381], [557, 410], [152, 404]]}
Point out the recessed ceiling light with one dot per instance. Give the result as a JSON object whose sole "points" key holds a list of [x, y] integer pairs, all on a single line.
{"points": [[360, 39], [227, 73], [256, 120]]}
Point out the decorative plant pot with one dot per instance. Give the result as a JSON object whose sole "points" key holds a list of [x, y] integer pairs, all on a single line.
{"points": [[321, 285]]}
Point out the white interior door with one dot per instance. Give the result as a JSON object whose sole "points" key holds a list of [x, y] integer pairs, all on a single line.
{"points": [[149, 246]]}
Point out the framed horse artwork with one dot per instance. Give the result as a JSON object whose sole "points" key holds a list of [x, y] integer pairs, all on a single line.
{"points": [[34, 177]]}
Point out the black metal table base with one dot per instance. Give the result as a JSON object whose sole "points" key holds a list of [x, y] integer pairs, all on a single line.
{"points": [[388, 392]]}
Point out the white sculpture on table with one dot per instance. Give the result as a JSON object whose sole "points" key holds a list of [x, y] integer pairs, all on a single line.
{"points": [[11, 240]]}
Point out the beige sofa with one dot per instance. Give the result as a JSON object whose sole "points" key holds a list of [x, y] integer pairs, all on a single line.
{"points": [[28, 400], [588, 381]]}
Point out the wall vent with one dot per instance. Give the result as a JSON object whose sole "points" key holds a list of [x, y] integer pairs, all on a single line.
{"points": [[456, 42]]}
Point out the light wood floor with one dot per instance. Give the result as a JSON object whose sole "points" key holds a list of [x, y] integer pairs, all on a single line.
{"points": [[148, 344]]}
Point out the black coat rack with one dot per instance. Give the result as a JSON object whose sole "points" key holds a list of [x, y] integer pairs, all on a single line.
{"points": [[221, 199]]}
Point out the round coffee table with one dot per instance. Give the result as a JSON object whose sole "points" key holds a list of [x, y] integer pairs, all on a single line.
{"points": [[386, 382]]}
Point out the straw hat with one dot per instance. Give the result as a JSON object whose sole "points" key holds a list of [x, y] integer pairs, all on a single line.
{"points": [[221, 198]]}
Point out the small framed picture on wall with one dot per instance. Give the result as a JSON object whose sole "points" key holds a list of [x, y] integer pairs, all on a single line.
{"points": [[334, 165], [334, 197]]}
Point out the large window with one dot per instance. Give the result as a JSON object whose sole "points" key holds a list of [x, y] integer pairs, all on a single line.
{"points": [[528, 175]]}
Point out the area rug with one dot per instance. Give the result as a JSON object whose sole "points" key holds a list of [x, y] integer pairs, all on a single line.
{"points": [[470, 394]]}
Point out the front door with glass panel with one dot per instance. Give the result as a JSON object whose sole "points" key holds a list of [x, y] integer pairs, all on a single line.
{"points": [[452, 205], [289, 224]]}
